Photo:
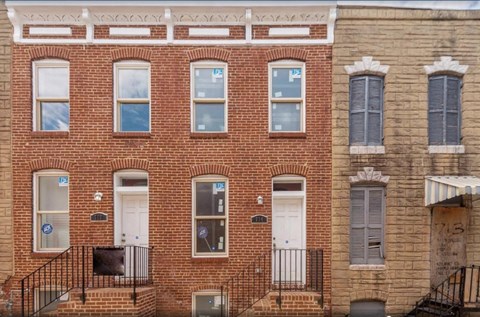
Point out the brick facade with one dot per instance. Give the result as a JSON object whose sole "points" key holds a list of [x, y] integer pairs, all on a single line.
{"points": [[6, 244], [406, 40], [247, 155]]}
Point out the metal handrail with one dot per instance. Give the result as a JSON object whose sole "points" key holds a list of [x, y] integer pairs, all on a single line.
{"points": [[83, 267], [275, 270]]}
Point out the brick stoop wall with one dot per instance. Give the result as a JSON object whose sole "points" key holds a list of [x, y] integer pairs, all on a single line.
{"points": [[110, 302], [293, 304]]}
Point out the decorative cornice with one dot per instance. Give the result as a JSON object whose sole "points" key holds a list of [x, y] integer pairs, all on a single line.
{"points": [[131, 53], [446, 64], [367, 66], [129, 163], [294, 169], [369, 175], [50, 163], [208, 53], [209, 169], [287, 53]]}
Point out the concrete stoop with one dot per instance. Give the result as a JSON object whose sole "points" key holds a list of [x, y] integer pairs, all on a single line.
{"points": [[305, 304]]}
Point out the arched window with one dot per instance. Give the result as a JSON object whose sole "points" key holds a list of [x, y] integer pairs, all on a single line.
{"points": [[51, 227]]}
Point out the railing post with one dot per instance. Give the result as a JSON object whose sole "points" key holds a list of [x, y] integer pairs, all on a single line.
{"points": [[23, 298], [84, 296], [134, 295], [221, 301], [279, 298], [462, 286]]}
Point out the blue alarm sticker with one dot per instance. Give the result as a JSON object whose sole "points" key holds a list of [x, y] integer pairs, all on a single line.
{"points": [[202, 232], [47, 228]]}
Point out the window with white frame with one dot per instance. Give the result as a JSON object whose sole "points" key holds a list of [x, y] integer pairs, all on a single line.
{"points": [[51, 94], [208, 304], [210, 216], [209, 97], [132, 96], [287, 96], [366, 225], [51, 211]]}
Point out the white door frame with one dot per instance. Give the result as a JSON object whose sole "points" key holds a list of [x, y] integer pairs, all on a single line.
{"points": [[119, 192], [292, 194]]}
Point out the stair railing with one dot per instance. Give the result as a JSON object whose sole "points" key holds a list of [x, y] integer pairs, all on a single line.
{"points": [[276, 270], [84, 267]]}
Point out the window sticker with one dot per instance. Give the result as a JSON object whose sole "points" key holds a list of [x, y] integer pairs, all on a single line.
{"points": [[63, 181], [202, 232], [275, 73], [47, 228], [201, 94], [274, 106], [278, 94], [222, 224], [294, 73], [201, 127], [278, 127], [217, 301], [297, 106], [220, 187], [197, 73], [217, 73]]}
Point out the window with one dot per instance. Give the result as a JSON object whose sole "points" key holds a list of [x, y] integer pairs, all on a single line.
{"points": [[367, 309], [51, 212], [47, 297], [208, 304], [210, 209], [287, 96], [132, 97], [444, 117], [51, 110], [209, 97], [366, 110], [366, 225]]}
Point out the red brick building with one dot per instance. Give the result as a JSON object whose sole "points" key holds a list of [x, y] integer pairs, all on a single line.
{"points": [[201, 131]]}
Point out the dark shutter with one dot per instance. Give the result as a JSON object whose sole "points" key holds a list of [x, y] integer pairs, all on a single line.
{"points": [[357, 227], [375, 107], [357, 110], [436, 106], [453, 111]]}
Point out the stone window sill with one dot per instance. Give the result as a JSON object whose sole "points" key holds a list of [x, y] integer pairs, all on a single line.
{"points": [[287, 135], [367, 267], [367, 149], [446, 149], [50, 134], [140, 135], [208, 135]]}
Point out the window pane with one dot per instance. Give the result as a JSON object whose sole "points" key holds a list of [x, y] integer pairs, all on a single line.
{"points": [[53, 82], [286, 83], [210, 198], [286, 117], [53, 194], [287, 187], [367, 309], [209, 305], [375, 207], [374, 128], [357, 207], [209, 82], [134, 117], [54, 231], [209, 117], [134, 182], [54, 116], [210, 235], [357, 93], [436, 93], [453, 93], [133, 83], [375, 86]]}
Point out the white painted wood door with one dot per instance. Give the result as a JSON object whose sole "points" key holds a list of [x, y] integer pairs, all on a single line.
{"points": [[135, 232], [287, 233]]}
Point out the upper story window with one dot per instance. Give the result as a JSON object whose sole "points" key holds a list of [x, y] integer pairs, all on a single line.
{"points": [[210, 210], [51, 85], [366, 225], [287, 96], [209, 97], [132, 97], [366, 110], [444, 110], [51, 211]]}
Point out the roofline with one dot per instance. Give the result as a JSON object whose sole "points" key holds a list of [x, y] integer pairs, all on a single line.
{"points": [[155, 3]]}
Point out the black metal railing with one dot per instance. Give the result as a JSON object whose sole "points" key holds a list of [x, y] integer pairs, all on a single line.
{"points": [[277, 270], [83, 267], [458, 291]]}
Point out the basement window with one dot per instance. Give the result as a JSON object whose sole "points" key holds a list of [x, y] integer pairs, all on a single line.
{"points": [[208, 304], [48, 297], [367, 309]]}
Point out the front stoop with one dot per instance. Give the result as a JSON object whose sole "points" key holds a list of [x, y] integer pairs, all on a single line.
{"points": [[303, 304], [109, 302]]}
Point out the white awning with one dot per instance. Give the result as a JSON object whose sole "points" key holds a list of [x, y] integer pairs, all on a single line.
{"points": [[440, 188]]}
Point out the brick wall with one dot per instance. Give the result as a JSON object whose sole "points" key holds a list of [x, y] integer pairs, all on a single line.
{"points": [[247, 154], [406, 40], [6, 248]]}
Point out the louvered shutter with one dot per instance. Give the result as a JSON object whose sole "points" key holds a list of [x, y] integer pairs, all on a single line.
{"points": [[453, 111], [375, 101], [357, 227], [436, 106], [375, 226], [357, 110]]}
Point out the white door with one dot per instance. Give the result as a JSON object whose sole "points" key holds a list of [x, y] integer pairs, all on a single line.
{"points": [[287, 233], [135, 233]]}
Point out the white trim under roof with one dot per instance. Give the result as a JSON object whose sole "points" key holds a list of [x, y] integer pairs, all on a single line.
{"points": [[441, 188], [433, 5], [126, 14]]}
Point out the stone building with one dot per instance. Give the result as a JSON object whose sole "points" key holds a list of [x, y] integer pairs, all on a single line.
{"points": [[406, 151], [199, 134]]}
